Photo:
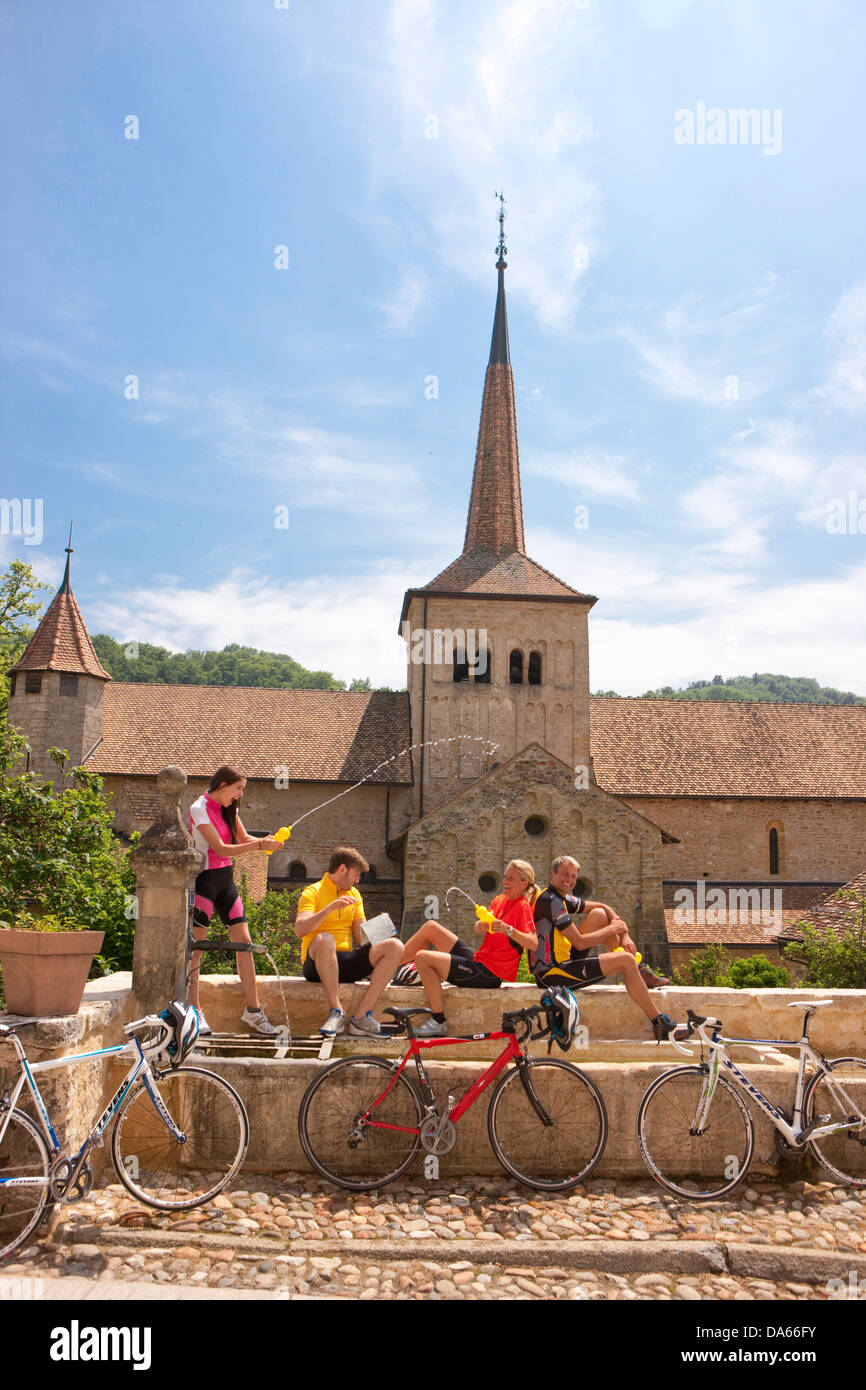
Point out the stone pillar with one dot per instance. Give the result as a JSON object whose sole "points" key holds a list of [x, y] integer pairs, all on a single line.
{"points": [[164, 864]]}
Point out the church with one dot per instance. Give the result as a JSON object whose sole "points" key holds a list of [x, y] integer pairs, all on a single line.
{"points": [[495, 750]]}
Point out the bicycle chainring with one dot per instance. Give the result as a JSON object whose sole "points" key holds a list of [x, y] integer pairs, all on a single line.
{"points": [[59, 1181], [786, 1149], [438, 1136]]}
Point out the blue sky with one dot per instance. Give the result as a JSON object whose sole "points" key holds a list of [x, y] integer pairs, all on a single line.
{"points": [[687, 320]]}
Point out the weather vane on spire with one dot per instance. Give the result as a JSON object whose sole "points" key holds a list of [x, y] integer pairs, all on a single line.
{"points": [[501, 248]]}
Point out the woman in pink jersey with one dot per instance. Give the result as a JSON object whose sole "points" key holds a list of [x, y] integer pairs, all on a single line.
{"points": [[217, 830]]}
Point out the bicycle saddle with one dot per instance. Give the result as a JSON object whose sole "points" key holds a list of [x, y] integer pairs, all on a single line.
{"points": [[808, 1003], [410, 1013]]}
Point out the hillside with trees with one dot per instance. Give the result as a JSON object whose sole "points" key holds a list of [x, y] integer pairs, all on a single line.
{"points": [[760, 686]]}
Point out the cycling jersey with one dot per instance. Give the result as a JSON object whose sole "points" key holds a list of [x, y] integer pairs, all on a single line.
{"points": [[206, 811], [553, 912]]}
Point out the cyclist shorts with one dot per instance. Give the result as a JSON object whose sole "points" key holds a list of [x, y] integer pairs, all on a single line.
{"points": [[351, 966], [467, 972], [579, 973], [216, 891]]}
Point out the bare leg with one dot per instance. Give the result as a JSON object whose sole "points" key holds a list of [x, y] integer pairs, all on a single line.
{"points": [[323, 952], [433, 967], [626, 965], [384, 957], [431, 937], [239, 931]]}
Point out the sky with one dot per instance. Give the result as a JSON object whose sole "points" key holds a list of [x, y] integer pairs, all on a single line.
{"points": [[247, 295]]}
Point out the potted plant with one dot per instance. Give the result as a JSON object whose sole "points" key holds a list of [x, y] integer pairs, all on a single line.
{"points": [[45, 960]]}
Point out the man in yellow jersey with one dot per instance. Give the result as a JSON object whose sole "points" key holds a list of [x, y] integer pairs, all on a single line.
{"points": [[329, 921]]}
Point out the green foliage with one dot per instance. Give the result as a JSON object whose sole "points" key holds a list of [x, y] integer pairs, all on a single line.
{"points": [[776, 689], [271, 924], [705, 967], [59, 857], [755, 972], [142, 663], [48, 922], [18, 602], [837, 959]]}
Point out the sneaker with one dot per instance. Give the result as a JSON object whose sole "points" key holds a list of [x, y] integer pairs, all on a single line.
{"points": [[335, 1023], [204, 1028], [663, 1026], [406, 975], [432, 1028], [651, 979], [258, 1020], [365, 1026]]}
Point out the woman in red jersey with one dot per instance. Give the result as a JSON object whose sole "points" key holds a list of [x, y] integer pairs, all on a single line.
{"points": [[440, 955]]}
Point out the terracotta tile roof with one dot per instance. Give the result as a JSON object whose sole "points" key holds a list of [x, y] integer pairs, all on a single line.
{"points": [[61, 642], [320, 735], [481, 571], [828, 913], [728, 748], [735, 928]]}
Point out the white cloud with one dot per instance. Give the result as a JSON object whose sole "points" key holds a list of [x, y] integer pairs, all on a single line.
{"points": [[712, 355], [587, 473], [845, 388]]}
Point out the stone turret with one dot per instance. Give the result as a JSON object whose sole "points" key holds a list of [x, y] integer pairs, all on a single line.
{"points": [[57, 686]]}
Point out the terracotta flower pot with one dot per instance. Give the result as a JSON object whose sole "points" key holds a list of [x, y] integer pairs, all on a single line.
{"points": [[44, 973]]}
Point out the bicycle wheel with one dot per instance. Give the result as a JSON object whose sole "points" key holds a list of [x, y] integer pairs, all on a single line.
{"points": [[24, 1164], [552, 1157], [698, 1166], [339, 1119], [842, 1154], [174, 1175]]}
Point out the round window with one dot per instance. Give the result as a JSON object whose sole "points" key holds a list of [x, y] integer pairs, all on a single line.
{"points": [[487, 883], [534, 825], [583, 888]]}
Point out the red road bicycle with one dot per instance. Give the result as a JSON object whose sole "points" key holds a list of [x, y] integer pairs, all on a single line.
{"points": [[363, 1120]]}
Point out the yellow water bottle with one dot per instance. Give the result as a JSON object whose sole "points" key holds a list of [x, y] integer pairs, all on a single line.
{"points": [[282, 835]]}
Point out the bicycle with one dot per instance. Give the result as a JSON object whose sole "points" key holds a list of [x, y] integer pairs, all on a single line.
{"points": [[362, 1120], [693, 1127], [179, 1135]]}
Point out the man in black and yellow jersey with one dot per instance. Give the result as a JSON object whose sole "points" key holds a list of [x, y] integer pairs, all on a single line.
{"points": [[563, 952]]}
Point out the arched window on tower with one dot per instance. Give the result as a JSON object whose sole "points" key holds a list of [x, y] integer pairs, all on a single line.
{"points": [[515, 668], [774, 851], [535, 668], [481, 668], [461, 662]]}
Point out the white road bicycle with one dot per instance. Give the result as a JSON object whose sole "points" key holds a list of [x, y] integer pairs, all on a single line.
{"points": [[696, 1135], [179, 1134]]}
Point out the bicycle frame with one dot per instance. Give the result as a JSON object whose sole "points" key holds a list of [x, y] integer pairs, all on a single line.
{"points": [[140, 1068], [719, 1057], [512, 1052]]}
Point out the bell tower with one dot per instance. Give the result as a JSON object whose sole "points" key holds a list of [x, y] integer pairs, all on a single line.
{"points": [[497, 645]]}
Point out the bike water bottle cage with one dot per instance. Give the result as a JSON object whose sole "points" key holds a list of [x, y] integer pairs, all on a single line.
{"points": [[183, 1019]]}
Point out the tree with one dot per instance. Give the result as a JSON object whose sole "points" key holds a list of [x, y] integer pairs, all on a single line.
{"points": [[18, 602], [835, 959], [59, 856], [704, 968], [755, 972]]}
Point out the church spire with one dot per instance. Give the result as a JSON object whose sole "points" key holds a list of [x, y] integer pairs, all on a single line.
{"points": [[61, 642], [495, 520]]}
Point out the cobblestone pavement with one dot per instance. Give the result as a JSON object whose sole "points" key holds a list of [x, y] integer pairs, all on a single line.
{"points": [[286, 1217]]}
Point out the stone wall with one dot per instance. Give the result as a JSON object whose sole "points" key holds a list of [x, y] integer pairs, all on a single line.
{"points": [[478, 832], [819, 841], [554, 714], [49, 719]]}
